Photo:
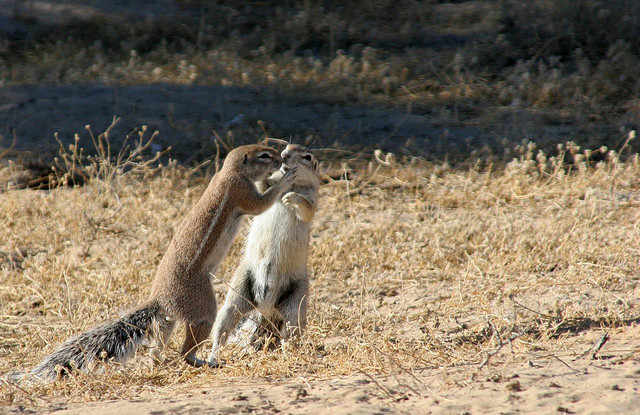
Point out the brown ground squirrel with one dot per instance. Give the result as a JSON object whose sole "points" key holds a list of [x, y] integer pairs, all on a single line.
{"points": [[272, 278], [182, 290]]}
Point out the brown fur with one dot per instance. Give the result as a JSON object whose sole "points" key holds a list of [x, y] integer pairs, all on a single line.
{"points": [[182, 289], [182, 285]]}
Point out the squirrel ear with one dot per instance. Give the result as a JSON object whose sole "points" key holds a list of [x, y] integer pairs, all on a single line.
{"points": [[315, 165], [244, 159]]}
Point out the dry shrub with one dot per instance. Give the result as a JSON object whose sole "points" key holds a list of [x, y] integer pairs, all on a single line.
{"points": [[559, 27], [570, 52], [106, 164], [564, 62], [75, 165], [413, 266]]}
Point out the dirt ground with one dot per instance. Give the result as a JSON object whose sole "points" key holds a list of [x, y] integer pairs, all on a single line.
{"points": [[609, 384], [407, 336], [183, 114], [593, 367]]}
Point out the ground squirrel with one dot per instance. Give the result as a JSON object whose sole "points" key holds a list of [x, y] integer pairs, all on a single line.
{"points": [[272, 278], [182, 290]]}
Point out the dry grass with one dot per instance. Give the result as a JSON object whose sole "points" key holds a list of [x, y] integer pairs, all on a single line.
{"points": [[481, 63], [414, 266]]}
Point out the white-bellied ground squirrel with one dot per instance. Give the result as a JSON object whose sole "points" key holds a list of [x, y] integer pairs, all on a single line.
{"points": [[182, 290], [272, 279]]}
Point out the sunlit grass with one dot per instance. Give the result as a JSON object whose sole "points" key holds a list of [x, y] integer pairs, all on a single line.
{"points": [[413, 266]]}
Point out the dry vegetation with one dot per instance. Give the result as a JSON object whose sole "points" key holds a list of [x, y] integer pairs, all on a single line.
{"points": [[414, 266], [508, 67], [417, 264]]}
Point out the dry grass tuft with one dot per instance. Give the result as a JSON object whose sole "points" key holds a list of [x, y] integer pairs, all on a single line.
{"points": [[414, 266]]}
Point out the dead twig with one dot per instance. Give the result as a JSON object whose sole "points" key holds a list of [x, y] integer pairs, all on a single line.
{"points": [[596, 348], [27, 393], [383, 388], [394, 362], [495, 351], [547, 316], [15, 138], [384, 186], [564, 363]]}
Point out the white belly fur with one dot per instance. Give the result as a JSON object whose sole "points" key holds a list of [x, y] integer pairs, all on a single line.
{"points": [[276, 252]]}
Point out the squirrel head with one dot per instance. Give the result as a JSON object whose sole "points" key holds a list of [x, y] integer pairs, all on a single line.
{"points": [[254, 161], [298, 155]]}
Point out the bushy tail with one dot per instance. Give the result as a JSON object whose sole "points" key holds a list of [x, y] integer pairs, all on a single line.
{"points": [[116, 340]]}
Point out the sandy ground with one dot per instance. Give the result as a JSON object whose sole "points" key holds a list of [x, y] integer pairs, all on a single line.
{"points": [[609, 384], [568, 383], [585, 375]]}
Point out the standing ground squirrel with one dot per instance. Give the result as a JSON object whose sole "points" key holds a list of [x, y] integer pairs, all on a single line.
{"points": [[182, 290], [272, 277]]}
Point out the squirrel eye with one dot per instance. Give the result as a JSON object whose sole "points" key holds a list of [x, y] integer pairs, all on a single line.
{"points": [[264, 156], [307, 157]]}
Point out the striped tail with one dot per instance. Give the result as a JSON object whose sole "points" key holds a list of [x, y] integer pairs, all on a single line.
{"points": [[116, 341]]}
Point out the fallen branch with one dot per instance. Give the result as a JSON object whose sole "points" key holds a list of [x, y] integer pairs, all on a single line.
{"points": [[494, 352], [596, 348]]}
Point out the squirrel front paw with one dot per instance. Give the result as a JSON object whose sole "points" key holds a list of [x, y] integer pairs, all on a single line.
{"points": [[291, 200]]}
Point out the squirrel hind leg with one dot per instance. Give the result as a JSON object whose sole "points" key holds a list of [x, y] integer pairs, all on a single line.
{"points": [[292, 305], [239, 302], [196, 334]]}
